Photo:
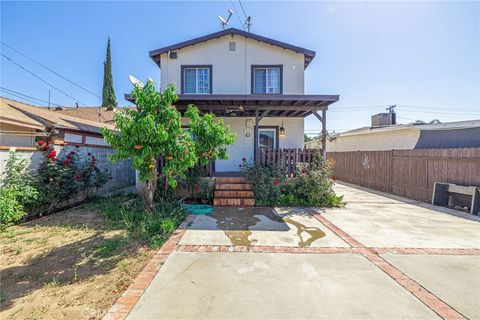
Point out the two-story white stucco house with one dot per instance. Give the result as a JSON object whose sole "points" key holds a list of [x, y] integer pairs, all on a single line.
{"points": [[254, 83]]}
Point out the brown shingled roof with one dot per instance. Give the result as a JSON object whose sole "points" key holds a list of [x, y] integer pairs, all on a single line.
{"points": [[97, 114], [46, 118]]}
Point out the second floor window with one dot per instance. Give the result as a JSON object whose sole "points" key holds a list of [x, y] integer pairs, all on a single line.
{"points": [[267, 80], [197, 80]]}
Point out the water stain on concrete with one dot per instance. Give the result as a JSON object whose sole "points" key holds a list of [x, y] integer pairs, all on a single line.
{"points": [[314, 232], [239, 237]]}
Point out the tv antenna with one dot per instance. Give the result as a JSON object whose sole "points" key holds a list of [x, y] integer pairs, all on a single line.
{"points": [[248, 23], [223, 21]]}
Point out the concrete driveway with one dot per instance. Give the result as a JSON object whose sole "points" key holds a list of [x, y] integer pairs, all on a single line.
{"points": [[377, 258]]}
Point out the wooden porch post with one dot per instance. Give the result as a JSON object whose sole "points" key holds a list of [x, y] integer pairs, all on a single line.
{"points": [[255, 137], [323, 120], [324, 133]]}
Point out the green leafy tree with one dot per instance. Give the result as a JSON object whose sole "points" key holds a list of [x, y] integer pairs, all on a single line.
{"points": [[211, 138], [151, 131], [108, 93], [155, 130]]}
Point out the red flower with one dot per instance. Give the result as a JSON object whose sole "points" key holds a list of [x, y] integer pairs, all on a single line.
{"points": [[66, 162], [275, 183], [40, 143], [77, 146], [334, 178], [52, 155], [62, 144], [72, 152], [77, 177]]}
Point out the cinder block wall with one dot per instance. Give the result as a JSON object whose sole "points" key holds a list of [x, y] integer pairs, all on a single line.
{"points": [[123, 173]]}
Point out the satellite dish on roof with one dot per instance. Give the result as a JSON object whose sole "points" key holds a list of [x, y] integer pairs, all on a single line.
{"points": [[135, 81], [223, 21]]}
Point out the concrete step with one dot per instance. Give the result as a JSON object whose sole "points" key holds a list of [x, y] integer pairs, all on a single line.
{"points": [[233, 202], [233, 194], [232, 186], [230, 180]]}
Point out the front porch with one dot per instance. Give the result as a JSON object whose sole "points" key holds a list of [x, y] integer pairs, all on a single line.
{"points": [[260, 108]]}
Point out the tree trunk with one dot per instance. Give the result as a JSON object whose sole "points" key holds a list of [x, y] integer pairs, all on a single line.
{"points": [[146, 190]]}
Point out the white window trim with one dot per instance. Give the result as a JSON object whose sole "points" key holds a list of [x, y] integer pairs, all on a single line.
{"points": [[197, 79], [268, 71], [275, 138]]}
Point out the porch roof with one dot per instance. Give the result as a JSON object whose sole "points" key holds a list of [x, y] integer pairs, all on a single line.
{"points": [[244, 105]]}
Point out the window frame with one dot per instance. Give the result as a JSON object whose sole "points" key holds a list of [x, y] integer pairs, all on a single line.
{"points": [[276, 140], [195, 66], [265, 66]]}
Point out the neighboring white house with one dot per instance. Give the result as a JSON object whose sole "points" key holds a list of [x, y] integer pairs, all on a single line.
{"points": [[256, 84], [462, 134]]}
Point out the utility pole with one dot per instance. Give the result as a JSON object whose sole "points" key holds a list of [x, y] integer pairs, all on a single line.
{"points": [[393, 116], [48, 99], [391, 109]]}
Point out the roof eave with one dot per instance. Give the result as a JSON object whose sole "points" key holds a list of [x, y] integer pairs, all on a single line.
{"points": [[308, 54]]}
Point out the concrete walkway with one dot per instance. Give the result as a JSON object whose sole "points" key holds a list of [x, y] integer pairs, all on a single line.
{"points": [[377, 258]]}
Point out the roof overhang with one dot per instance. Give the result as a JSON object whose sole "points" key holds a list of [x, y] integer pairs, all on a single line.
{"points": [[308, 54], [245, 105]]}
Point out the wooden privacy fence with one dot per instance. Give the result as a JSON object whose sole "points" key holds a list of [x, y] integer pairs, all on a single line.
{"points": [[408, 173], [288, 158]]}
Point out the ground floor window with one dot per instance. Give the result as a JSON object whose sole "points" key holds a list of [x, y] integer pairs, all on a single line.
{"points": [[267, 138]]}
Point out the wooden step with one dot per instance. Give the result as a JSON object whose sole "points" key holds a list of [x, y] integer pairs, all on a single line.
{"points": [[233, 194], [233, 202], [232, 186], [230, 180]]}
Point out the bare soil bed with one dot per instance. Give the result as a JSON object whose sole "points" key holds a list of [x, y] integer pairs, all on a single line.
{"points": [[69, 265]]}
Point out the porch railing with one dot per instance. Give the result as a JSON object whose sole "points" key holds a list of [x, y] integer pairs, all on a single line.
{"points": [[287, 158]]}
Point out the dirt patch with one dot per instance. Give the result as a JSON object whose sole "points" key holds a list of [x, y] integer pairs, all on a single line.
{"points": [[68, 265]]}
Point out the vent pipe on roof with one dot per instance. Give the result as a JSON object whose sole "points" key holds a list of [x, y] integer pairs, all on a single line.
{"points": [[76, 103]]}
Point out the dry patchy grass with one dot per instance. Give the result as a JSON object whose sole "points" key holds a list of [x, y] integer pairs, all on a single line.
{"points": [[69, 265]]}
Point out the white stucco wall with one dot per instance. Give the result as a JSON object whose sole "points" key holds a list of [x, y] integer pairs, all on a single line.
{"points": [[231, 70], [386, 140], [244, 146]]}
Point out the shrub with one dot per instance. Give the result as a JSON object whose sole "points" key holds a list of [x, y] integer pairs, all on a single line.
{"points": [[266, 181], [18, 193], [126, 212], [68, 177], [11, 210], [311, 187]]}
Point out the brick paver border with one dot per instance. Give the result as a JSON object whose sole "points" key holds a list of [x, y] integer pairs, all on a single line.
{"points": [[126, 302], [433, 302]]}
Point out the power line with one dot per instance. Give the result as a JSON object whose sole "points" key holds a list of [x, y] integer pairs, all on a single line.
{"points": [[20, 97], [441, 107], [10, 91], [241, 6], [49, 69], [44, 81], [236, 13]]}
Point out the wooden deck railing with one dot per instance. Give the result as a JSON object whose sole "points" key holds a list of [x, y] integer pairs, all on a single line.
{"points": [[288, 158]]}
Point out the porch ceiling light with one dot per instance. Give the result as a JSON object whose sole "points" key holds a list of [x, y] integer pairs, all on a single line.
{"points": [[282, 130]]}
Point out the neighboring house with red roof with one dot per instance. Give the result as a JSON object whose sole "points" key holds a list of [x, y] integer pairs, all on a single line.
{"points": [[98, 114], [22, 124]]}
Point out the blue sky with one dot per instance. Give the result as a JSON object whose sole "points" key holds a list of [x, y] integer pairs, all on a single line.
{"points": [[422, 56]]}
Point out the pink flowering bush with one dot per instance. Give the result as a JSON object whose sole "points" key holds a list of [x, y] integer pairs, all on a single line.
{"points": [[67, 177]]}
